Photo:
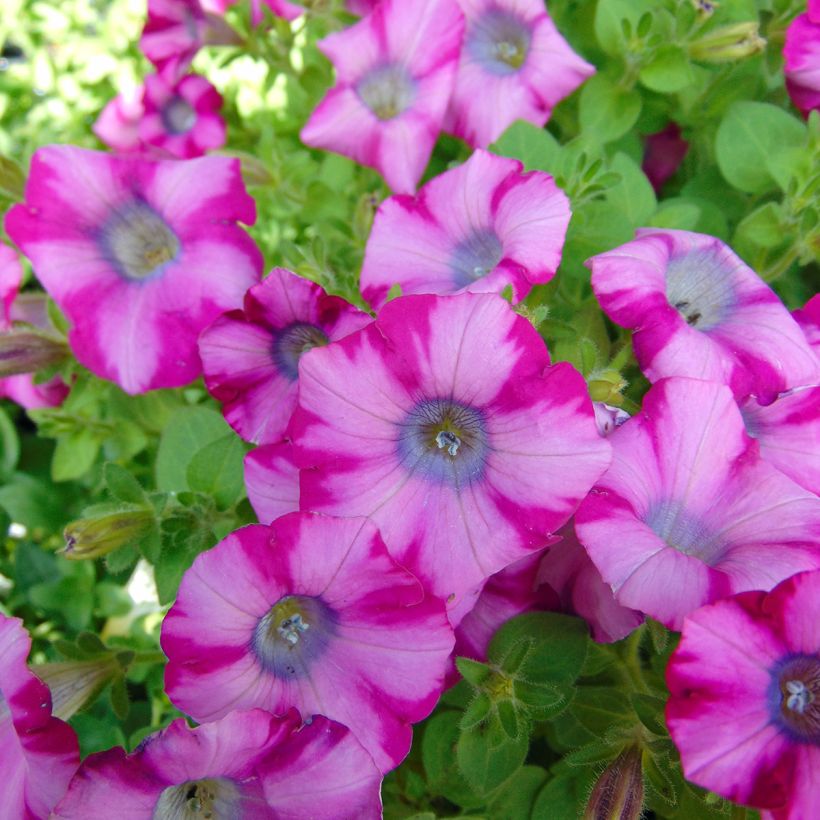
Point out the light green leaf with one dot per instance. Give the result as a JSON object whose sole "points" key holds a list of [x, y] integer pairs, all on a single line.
{"points": [[607, 111], [217, 469], [668, 71], [528, 143]]}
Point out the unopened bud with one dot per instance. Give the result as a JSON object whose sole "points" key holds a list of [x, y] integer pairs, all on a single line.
{"points": [[728, 43], [92, 537], [74, 684], [27, 351], [618, 792]]}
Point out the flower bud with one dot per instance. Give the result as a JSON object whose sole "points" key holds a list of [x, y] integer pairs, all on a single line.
{"points": [[606, 386], [618, 792], [27, 350], [74, 684], [728, 43], [92, 537]]}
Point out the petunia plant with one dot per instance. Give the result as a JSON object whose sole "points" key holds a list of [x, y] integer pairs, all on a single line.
{"points": [[410, 409]]}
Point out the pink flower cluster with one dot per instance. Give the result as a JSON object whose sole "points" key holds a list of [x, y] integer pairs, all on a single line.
{"points": [[801, 54], [471, 68]]}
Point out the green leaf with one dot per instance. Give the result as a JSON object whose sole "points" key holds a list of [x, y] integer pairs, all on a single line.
{"points": [[217, 469], [658, 634], [438, 745], [122, 485], [764, 227], [509, 720], [609, 27], [528, 143], [598, 708], [187, 431], [607, 111], [565, 795], [74, 454], [633, 196], [559, 645], [676, 213], [12, 179], [473, 671], [120, 701], [668, 71], [598, 751], [487, 756], [9, 444], [650, 711], [658, 776], [122, 559], [90, 643], [477, 711], [750, 134], [514, 800]]}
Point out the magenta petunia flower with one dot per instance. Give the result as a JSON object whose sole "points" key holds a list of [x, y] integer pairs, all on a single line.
{"points": [[247, 766], [361, 7], [801, 56], [697, 310], [514, 65], [309, 612], [29, 308], [444, 423], [178, 118], [688, 512], [478, 227], [568, 573], [38, 753], [663, 153], [251, 356], [744, 709], [139, 255], [788, 432], [272, 480], [394, 74]]}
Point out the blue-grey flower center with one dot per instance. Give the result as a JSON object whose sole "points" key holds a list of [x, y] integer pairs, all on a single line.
{"points": [[137, 241], [475, 256], [499, 41], [212, 798], [684, 532], [291, 342], [442, 440], [699, 286], [387, 90], [795, 697], [178, 116], [293, 634]]}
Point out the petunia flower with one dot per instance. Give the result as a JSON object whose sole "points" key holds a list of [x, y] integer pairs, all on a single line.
{"points": [[166, 118], [31, 350], [139, 255], [361, 7], [688, 512], [176, 29], [478, 227], [788, 432], [514, 65], [801, 59], [744, 709], [566, 572], [38, 753], [663, 153], [309, 612], [247, 766], [808, 317], [394, 74], [444, 423], [251, 356], [697, 310], [272, 480]]}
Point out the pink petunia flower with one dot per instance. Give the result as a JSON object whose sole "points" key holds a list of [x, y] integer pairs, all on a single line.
{"points": [[165, 118], [361, 7], [663, 153], [744, 709], [788, 432], [801, 56], [38, 753], [247, 766], [309, 612], [29, 308], [567, 572], [176, 29], [444, 423], [394, 74], [688, 512], [514, 65], [478, 227], [139, 255], [251, 356], [272, 480], [697, 310]]}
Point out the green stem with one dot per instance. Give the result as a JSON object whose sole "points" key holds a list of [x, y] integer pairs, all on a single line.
{"points": [[632, 659]]}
